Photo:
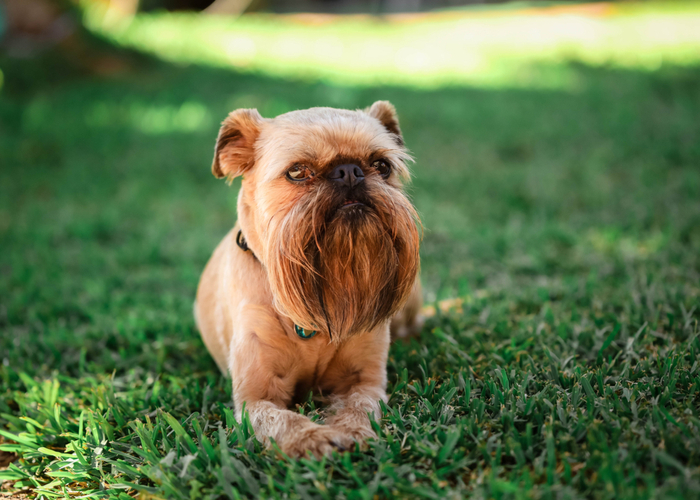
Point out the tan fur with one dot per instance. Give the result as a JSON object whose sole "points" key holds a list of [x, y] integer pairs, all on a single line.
{"points": [[409, 320], [342, 272]]}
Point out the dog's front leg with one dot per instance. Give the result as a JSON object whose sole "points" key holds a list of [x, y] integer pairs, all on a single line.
{"points": [[294, 433], [359, 383], [265, 367], [354, 410]]}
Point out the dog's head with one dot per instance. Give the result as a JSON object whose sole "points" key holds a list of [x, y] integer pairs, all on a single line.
{"points": [[323, 208]]}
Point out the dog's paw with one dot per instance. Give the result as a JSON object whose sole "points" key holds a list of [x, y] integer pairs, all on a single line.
{"points": [[355, 434], [319, 440], [357, 428], [360, 434]]}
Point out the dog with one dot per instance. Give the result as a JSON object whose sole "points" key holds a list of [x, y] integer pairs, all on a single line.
{"points": [[300, 295]]}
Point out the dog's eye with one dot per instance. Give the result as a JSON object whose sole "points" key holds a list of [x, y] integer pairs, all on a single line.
{"points": [[383, 167], [299, 173]]}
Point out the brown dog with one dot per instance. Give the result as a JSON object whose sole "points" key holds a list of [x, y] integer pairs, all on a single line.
{"points": [[300, 294]]}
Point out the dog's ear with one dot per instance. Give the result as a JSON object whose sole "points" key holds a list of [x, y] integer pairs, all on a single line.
{"points": [[235, 147], [385, 112]]}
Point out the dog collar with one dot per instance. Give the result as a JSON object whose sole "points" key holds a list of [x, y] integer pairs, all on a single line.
{"points": [[303, 333]]}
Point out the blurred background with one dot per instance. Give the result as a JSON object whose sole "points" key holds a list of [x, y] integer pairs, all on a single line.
{"points": [[557, 148]]}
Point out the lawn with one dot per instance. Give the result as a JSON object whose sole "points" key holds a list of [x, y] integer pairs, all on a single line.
{"points": [[514, 44], [565, 220]]}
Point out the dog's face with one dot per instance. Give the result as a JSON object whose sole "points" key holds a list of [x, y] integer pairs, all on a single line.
{"points": [[322, 207]]}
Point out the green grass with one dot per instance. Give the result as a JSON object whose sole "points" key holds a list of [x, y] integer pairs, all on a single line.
{"points": [[484, 47], [569, 222]]}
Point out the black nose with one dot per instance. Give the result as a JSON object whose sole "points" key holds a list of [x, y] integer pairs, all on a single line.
{"points": [[348, 175]]}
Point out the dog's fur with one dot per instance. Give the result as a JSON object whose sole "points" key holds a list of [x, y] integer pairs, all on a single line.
{"points": [[344, 272]]}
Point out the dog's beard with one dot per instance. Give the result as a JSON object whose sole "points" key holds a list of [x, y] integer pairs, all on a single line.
{"points": [[344, 270]]}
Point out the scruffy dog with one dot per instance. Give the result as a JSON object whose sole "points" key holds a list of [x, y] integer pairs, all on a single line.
{"points": [[300, 294]]}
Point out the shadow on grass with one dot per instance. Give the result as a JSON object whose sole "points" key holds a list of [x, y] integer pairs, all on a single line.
{"points": [[567, 221], [109, 211]]}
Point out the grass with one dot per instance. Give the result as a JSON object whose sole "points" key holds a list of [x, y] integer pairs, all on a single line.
{"points": [[472, 46], [567, 222]]}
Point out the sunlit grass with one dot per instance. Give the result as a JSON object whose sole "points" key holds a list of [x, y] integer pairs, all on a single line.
{"points": [[494, 48], [566, 226], [150, 119]]}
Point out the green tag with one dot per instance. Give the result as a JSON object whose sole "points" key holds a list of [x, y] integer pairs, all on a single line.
{"points": [[303, 333]]}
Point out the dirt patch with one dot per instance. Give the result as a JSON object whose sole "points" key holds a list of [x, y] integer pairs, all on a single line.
{"points": [[6, 459], [7, 495]]}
